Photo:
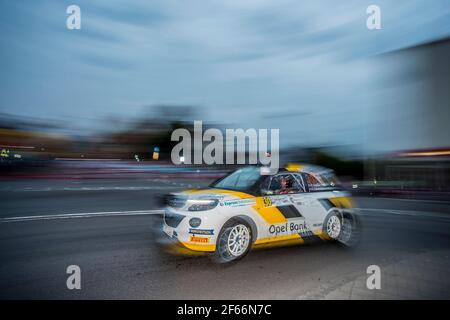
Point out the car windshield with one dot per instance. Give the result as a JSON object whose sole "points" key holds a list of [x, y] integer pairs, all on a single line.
{"points": [[240, 180]]}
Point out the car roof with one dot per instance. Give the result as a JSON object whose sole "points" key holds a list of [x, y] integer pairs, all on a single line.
{"points": [[307, 168], [301, 167]]}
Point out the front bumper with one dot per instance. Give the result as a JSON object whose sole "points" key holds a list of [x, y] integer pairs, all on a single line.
{"points": [[176, 227]]}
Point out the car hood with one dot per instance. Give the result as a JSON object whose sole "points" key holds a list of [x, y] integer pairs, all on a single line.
{"points": [[213, 193]]}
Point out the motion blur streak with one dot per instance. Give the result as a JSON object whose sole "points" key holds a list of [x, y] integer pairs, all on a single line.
{"points": [[86, 118], [80, 215]]}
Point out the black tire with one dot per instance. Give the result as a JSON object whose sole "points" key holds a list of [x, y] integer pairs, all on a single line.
{"points": [[223, 253], [349, 230], [352, 229]]}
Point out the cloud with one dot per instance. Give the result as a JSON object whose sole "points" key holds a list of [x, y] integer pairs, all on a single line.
{"points": [[252, 56]]}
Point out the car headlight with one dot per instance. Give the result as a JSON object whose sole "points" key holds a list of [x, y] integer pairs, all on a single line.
{"points": [[195, 222], [202, 204]]}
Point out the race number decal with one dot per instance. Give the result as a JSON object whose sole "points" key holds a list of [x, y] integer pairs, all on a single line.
{"points": [[267, 202]]}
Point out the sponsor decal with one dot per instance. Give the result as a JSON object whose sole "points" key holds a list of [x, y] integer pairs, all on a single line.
{"points": [[238, 203], [217, 196], [199, 239], [280, 200], [317, 224], [208, 232], [288, 228], [306, 234], [302, 200], [267, 202]]}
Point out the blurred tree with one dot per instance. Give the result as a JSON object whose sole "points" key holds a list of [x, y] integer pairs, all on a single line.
{"points": [[354, 168]]}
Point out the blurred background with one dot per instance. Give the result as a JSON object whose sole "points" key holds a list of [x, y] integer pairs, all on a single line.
{"points": [[86, 118], [372, 104]]}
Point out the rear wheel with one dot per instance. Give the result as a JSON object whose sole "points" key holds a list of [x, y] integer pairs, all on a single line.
{"points": [[234, 242], [334, 226], [343, 227]]}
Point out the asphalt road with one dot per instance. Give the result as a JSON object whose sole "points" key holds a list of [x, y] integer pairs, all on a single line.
{"points": [[120, 254]]}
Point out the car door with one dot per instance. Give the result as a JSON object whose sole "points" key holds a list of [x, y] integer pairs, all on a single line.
{"points": [[307, 205], [285, 203]]}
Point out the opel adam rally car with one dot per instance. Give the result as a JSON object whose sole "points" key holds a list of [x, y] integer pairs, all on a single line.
{"points": [[253, 207]]}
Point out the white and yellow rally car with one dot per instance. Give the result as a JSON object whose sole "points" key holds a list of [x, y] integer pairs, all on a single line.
{"points": [[251, 207]]}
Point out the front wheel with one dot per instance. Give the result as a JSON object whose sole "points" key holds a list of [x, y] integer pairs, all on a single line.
{"points": [[233, 242]]}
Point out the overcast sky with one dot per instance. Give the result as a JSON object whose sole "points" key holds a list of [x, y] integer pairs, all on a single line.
{"points": [[270, 64]]}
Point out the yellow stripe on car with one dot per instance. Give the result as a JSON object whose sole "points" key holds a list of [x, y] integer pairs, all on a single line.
{"points": [[199, 247], [293, 167], [342, 202], [322, 235], [270, 214], [241, 195], [286, 240]]}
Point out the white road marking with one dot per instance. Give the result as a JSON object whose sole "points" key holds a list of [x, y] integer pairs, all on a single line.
{"points": [[409, 213], [160, 211], [413, 200], [47, 189], [81, 215]]}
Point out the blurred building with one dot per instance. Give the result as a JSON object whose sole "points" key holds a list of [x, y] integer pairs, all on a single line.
{"points": [[410, 113]]}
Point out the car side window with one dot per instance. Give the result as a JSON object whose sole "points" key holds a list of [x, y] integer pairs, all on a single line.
{"points": [[300, 180], [313, 183], [285, 184]]}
